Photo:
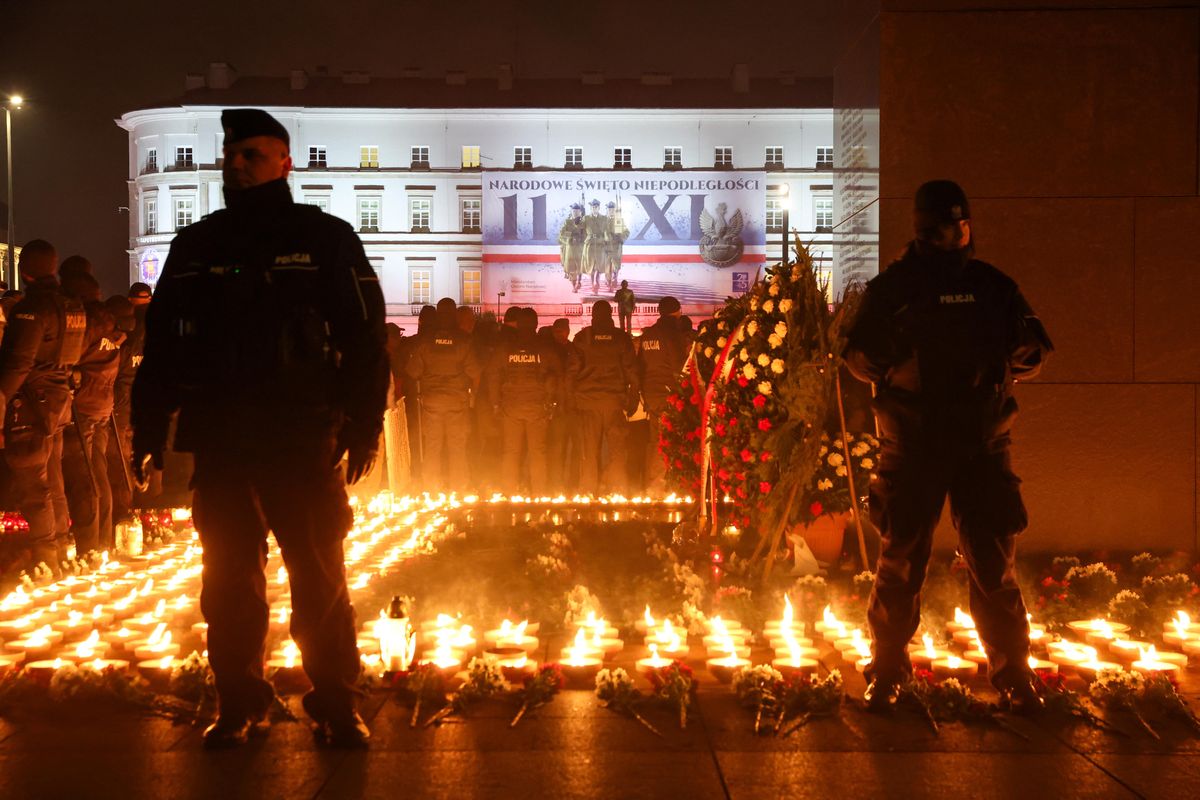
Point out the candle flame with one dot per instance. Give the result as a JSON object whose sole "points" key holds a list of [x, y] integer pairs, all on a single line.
{"points": [[160, 608], [165, 662], [648, 618], [954, 662], [963, 618], [786, 620], [929, 650], [1182, 624], [157, 635]]}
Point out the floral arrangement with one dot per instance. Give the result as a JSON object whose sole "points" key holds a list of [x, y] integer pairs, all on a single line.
{"points": [[426, 684], [674, 685], [950, 700], [830, 491], [1140, 596], [1060, 699], [615, 691], [539, 689], [770, 695], [484, 679], [1129, 692]]}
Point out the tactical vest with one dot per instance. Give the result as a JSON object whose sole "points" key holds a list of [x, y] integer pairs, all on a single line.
{"points": [[72, 331]]}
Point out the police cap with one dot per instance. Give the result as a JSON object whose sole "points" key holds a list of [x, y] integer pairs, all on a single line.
{"points": [[942, 202], [243, 123]]}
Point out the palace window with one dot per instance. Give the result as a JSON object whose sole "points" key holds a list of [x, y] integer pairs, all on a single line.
{"points": [[185, 209], [672, 157], [774, 157], [420, 156], [723, 157], [523, 157], [622, 158], [472, 287], [471, 211], [470, 156], [823, 213], [151, 160], [368, 214], [774, 215], [321, 201], [183, 158], [574, 158], [420, 286], [317, 157], [150, 216], [418, 212], [824, 158], [368, 156]]}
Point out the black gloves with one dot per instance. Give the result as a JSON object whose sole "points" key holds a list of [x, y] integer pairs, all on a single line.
{"points": [[141, 456], [360, 446]]}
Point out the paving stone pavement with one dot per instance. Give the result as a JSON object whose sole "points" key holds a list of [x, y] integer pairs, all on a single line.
{"points": [[573, 748]]}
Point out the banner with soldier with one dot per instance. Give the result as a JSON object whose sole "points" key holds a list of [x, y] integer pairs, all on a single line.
{"points": [[555, 237]]}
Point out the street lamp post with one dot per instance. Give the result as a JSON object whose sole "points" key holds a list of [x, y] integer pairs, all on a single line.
{"points": [[10, 266], [785, 202]]}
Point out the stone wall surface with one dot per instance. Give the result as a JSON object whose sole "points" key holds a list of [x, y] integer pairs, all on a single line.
{"points": [[1073, 126]]}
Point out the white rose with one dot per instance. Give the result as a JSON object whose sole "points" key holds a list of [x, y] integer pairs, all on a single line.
{"points": [[774, 290], [708, 352], [860, 449], [722, 342], [836, 460], [744, 355], [769, 306], [750, 372], [763, 359], [777, 366], [785, 305], [774, 341], [753, 303], [841, 472], [868, 463], [752, 327], [764, 387], [824, 450], [781, 329]]}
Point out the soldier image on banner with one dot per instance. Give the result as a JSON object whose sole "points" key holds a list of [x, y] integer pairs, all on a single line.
{"points": [[595, 244], [618, 232], [570, 241]]}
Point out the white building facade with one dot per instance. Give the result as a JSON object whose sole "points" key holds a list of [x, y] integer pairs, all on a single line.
{"points": [[410, 180]]}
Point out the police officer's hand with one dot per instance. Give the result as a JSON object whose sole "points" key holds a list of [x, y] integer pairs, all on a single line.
{"points": [[359, 460], [141, 458]]}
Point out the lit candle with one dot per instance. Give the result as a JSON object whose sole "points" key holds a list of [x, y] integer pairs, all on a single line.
{"points": [[87, 650], [1181, 629], [43, 670], [444, 658], [8, 663], [652, 662], [720, 631], [924, 654], [157, 646], [668, 641], [795, 661], [515, 664], [859, 651], [287, 670], [962, 622], [786, 622], [647, 623], [120, 637], [1126, 650], [830, 627], [158, 670], [1151, 662], [579, 663], [1083, 627], [510, 635], [1039, 665], [37, 645], [954, 667], [724, 667]]}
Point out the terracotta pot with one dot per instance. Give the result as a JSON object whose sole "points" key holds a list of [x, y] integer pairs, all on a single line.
{"points": [[824, 535]]}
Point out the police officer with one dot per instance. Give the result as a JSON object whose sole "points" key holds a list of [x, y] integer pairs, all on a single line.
{"points": [[42, 343], [944, 336], [86, 440], [603, 379], [523, 387], [664, 348], [447, 374], [131, 324], [266, 333], [562, 441]]}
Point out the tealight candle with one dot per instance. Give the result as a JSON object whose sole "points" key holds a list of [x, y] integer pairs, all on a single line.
{"points": [[1181, 624], [87, 650], [795, 665], [718, 624], [103, 664], [976, 657], [1088, 670], [652, 662], [954, 667], [579, 664], [842, 645], [1152, 662], [120, 637], [9, 662], [732, 647], [787, 622], [287, 670], [515, 664], [510, 635], [830, 627], [968, 638], [1191, 647], [1039, 665], [1126, 650], [647, 623], [1082, 627], [724, 667], [37, 645], [43, 670], [962, 622], [445, 659], [924, 654], [158, 670]]}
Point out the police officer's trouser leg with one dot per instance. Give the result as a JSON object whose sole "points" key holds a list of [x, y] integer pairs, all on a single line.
{"points": [[58, 494], [656, 467], [535, 448], [29, 464], [433, 429], [512, 443], [557, 449], [82, 498], [233, 596], [616, 436], [122, 496], [100, 445], [458, 431], [589, 436], [985, 500], [906, 504]]}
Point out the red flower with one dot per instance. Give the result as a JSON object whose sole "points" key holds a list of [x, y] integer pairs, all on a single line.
{"points": [[816, 509], [747, 456], [759, 401], [742, 382], [719, 429], [764, 424], [679, 462], [733, 422], [741, 492], [723, 474], [724, 451], [764, 456], [666, 423], [764, 487]]}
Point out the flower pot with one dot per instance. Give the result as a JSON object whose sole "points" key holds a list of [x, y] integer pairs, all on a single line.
{"points": [[824, 535]]}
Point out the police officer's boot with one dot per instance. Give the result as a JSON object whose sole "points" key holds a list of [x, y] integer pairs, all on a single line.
{"points": [[882, 693], [342, 728], [1021, 696], [45, 552]]}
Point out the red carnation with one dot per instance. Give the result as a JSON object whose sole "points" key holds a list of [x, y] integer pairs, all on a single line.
{"points": [[764, 487], [725, 451], [759, 401], [816, 509], [764, 456], [764, 424], [747, 456], [733, 422], [723, 474], [679, 463], [667, 424], [742, 382], [741, 492], [719, 429]]}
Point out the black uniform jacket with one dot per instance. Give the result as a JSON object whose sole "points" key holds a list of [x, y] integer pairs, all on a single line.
{"points": [[445, 367], [524, 374], [664, 348], [266, 326], [603, 374], [944, 336]]}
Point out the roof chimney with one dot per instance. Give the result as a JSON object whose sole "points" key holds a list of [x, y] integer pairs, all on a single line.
{"points": [[593, 78], [193, 81], [741, 78], [505, 81], [221, 75], [456, 77], [299, 79]]}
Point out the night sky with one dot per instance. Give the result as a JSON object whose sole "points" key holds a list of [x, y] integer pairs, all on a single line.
{"points": [[80, 64]]}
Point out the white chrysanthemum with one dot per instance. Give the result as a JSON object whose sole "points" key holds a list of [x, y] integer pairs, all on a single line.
{"points": [[860, 449], [836, 460], [841, 472], [774, 290], [824, 450], [763, 359], [750, 372], [769, 306], [751, 327], [754, 304], [774, 341], [777, 366], [708, 352], [785, 305], [868, 463], [721, 325], [764, 387], [721, 342], [781, 329], [744, 355]]}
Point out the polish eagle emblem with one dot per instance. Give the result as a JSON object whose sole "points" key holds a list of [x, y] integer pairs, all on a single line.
{"points": [[720, 240]]}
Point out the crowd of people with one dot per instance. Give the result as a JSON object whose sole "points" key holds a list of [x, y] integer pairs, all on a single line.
{"points": [[516, 407], [67, 363]]}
